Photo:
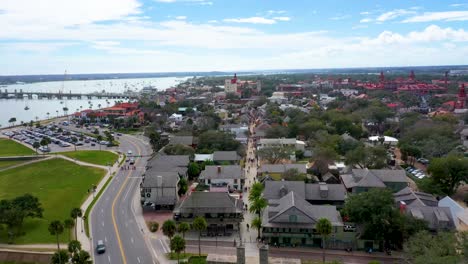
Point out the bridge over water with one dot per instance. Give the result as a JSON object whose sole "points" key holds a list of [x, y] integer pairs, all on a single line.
{"points": [[5, 94]]}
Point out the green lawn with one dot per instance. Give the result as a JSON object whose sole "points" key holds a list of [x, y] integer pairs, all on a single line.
{"points": [[60, 186], [7, 163], [99, 157], [9, 147]]}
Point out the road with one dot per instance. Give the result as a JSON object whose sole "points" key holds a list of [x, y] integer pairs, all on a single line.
{"points": [[113, 218]]}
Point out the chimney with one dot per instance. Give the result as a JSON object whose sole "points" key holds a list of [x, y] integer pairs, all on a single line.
{"points": [[158, 181], [323, 190], [219, 169]]}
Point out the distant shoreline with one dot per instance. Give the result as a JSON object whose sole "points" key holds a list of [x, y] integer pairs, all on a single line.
{"points": [[13, 79]]}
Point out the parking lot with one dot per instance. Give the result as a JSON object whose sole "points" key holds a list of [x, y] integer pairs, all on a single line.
{"points": [[61, 135]]}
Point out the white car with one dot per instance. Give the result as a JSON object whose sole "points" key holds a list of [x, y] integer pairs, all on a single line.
{"points": [[129, 152]]}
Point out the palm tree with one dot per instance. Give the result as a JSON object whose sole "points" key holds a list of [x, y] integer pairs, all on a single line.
{"points": [[69, 224], [48, 115], [36, 145], [169, 228], [75, 213], [257, 224], [99, 106], [57, 112], [183, 228], [55, 229], [12, 121], [177, 245], [258, 205], [324, 228], [74, 246], [82, 257], [58, 256], [199, 224], [255, 191], [99, 139]]}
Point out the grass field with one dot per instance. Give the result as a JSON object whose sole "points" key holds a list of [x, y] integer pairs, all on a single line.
{"points": [[99, 157], [9, 147], [60, 186], [7, 163]]}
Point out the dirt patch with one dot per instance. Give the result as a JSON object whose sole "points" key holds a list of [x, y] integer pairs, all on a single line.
{"points": [[26, 257], [157, 216]]}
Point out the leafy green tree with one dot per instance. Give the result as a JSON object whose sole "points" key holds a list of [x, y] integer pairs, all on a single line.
{"points": [[294, 175], [177, 245], [448, 173], [183, 186], [155, 141], [375, 212], [179, 149], [69, 224], [36, 145], [217, 140], [193, 170], [257, 224], [275, 154], [200, 225], [324, 228], [410, 153], [444, 247], [367, 157], [75, 213], [153, 226], [12, 121], [55, 229]]}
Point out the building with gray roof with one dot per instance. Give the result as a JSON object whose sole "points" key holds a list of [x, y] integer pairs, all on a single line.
{"points": [[314, 193], [361, 180], [159, 186], [222, 212], [291, 221], [413, 198]]}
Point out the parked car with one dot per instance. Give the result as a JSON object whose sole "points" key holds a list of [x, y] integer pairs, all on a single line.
{"points": [[423, 161], [100, 247]]}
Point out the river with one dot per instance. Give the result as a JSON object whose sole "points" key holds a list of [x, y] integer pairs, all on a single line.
{"points": [[44, 108]]}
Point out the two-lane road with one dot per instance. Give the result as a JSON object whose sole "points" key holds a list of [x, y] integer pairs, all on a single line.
{"points": [[113, 217]]}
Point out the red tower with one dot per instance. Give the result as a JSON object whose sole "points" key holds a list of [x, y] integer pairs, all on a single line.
{"points": [[234, 80], [381, 77], [461, 98], [412, 76]]}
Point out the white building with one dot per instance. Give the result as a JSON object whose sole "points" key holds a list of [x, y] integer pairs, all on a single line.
{"points": [[283, 142]]}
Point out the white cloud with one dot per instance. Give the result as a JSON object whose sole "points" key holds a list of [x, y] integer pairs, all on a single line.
{"points": [[365, 13], [365, 20], [282, 18], [180, 17], [340, 17], [197, 2], [459, 5], [273, 12], [439, 16], [57, 13], [393, 14], [213, 21], [251, 20]]}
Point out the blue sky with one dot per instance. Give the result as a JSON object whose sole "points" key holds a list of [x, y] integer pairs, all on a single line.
{"points": [[95, 36]]}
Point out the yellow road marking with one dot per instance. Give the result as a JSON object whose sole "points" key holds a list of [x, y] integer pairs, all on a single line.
{"points": [[119, 241]]}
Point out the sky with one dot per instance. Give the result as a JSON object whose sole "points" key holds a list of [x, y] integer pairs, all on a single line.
{"points": [[110, 36]]}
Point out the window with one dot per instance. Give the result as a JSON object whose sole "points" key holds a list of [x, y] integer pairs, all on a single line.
{"points": [[293, 218]]}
